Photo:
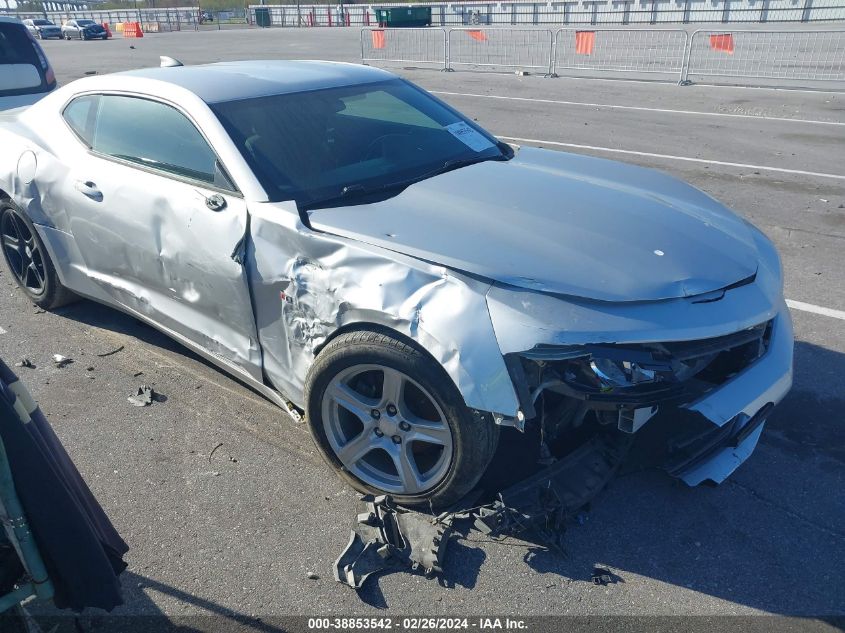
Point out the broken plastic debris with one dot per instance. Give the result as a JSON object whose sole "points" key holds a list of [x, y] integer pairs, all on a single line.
{"points": [[25, 362], [214, 450], [143, 398], [386, 538], [602, 576], [60, 361], [114, 351]]}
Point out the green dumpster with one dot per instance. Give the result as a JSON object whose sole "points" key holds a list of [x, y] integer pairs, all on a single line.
{"points": [[404, 16], [262, 16]]}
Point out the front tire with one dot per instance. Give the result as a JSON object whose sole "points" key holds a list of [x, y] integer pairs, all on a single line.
{"points": [[28, 262], [389, 419]]}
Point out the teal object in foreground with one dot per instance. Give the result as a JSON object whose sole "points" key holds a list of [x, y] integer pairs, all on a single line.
{"points": [[19, 535]]}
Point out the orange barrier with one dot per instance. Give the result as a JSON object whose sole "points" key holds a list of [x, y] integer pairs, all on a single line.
{"points": [[585, 41], [723, 42], [132, 29]]}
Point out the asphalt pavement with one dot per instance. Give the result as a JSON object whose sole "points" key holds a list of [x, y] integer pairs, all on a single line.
{"points": [[235, 533]]}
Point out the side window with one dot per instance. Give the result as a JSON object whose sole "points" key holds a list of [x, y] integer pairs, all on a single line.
{"points": [[80, 116], [154, 135]]}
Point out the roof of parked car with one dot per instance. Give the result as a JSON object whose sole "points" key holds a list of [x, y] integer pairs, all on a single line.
{"points": [[5, 18], [229, 81]]}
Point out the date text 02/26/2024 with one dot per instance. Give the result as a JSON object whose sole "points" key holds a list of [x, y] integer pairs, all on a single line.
{"points": [[416, 624]]}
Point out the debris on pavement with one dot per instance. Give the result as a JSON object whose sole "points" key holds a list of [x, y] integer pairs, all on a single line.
{"points": [[312, 576], [602, 576], [25, 362], [214, 450], [110, 353], [61, 361], [144, 397], [386, 537], [542, 503]]}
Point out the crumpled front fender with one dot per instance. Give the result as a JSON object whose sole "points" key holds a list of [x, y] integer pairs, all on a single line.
{"points": [[308, 285]]}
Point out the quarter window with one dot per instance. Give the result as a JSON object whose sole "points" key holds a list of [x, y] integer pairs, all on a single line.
{"points": [[80, 116]]}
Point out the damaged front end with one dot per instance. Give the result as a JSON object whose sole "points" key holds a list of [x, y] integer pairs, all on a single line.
{"points": [[715, 392]]}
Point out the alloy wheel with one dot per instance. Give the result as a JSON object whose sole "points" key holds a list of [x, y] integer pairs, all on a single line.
{"points": [[387, 430], [22, 252]]}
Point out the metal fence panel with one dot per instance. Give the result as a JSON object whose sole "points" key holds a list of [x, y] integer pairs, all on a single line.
{"points": [[790, 55], [631, 50], [506, 48], [593, 12], [410, 45]]}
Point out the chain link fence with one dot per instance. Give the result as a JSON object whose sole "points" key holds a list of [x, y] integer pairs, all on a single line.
{"points": [[564, 12], [407, 45], [651, 51], [500, 48], [153, 20], [796, 55], [775, 55]]}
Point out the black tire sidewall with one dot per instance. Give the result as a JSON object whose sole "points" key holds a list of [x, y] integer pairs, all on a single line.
{"points": [[472, 445], [50, 296]]}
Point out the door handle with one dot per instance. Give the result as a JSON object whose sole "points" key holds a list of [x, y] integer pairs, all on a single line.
{"points": [[216, 202], [88, 188]]}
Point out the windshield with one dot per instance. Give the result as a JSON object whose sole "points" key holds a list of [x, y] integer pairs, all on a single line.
{"points": [[42, 23], [85, 22], [313, 146]]}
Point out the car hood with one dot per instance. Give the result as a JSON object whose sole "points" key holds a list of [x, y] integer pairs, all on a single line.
{"points": [[561, 223]]}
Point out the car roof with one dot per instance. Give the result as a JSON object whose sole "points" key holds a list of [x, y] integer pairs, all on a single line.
{"points": [[231, 81], [9, 19]]}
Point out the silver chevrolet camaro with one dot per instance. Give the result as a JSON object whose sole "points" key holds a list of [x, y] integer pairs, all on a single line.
{"points": [[351, 246]]}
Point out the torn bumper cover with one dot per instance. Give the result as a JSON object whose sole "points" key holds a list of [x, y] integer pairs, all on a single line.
{"points": [[739, 409], [724, 362]]}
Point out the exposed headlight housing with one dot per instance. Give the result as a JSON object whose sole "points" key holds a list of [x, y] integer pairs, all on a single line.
{"points": [[615, 377], [621, 373]]}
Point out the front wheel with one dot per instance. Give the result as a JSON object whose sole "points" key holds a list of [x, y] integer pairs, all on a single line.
{"points": [[389, 419]]}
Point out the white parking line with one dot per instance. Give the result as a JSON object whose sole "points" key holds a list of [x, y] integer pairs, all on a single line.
{"points": [[809, 307], [707, 86], [643, 109], [688, 159], [2, 331]]}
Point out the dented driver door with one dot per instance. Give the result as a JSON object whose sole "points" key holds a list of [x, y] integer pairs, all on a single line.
{"points": [[160, 227]]}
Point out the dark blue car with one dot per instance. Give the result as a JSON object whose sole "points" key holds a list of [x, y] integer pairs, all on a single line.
{"points": [[83, 30]]}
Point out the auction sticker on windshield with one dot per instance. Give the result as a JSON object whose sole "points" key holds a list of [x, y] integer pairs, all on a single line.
{"points": [[469, 136]]}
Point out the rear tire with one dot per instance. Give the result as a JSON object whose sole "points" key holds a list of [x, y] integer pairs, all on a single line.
{"points": [[28, 262], [421, 445]]}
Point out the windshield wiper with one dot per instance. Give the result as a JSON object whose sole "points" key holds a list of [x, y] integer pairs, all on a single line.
{"points": [[357, 190], [457, 163], [349, 192]]}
